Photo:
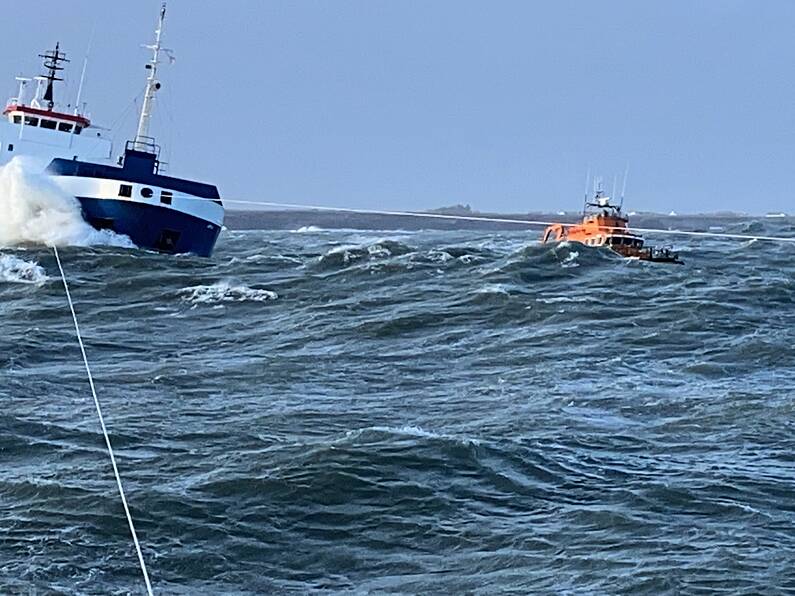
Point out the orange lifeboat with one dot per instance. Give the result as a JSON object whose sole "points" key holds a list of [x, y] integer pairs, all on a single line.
{"points": [[603, 224]]}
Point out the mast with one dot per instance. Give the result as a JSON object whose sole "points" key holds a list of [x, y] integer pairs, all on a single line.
{"points": [[143, 142], [52, 62], [83, 74]]}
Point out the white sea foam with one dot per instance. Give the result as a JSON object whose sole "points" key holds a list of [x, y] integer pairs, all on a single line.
{"points": [[493, 289], [439, 256], [558, 299], [410, 431], [33, 210], [308, 230], [570, 260], [379, 251], [16, 270], [223, 291]]}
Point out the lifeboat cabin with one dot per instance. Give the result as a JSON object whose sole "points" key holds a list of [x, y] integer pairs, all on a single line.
{"points": [[604, 225]]}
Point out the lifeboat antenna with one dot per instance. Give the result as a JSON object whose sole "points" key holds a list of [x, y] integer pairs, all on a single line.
{"points": [[52, 62], [624, 186], [143, 142], [587, 180]]}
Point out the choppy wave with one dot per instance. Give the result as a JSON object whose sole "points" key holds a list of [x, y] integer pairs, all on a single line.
{"points": [[223, 291], [436, 413], [16, 270], [346, 255], [308, 230], [33, 210]]}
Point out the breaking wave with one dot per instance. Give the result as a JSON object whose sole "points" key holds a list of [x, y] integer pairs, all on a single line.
{"points": [[225, 292], [308, 230], [33, 210], [16, 270], [346, 255]]}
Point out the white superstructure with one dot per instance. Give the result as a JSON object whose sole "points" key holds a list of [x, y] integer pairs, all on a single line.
{"points": [[43, 129]]}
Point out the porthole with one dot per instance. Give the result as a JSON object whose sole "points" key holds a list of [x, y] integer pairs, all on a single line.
{"points": [[147, 192]]}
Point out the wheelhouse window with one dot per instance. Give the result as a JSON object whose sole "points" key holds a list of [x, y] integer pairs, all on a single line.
{"points": [[11, 146], [49, 124], [125, 190], [31, 121], [166, 196], [78, 130], [17, 119], [64, 127]]}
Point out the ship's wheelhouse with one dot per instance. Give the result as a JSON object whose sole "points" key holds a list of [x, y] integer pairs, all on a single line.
{"points": [[47, 119]]}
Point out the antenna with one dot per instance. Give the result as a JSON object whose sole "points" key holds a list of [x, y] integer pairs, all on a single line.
{"points": [[615, 182], [52, 61], [83, 74], [624, 186], [587, 180]]}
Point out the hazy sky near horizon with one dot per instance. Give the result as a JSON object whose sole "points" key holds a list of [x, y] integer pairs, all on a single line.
{"points": [[412, 104]]}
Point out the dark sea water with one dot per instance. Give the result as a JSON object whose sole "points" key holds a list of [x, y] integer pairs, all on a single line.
{"points": [[351, 412]]}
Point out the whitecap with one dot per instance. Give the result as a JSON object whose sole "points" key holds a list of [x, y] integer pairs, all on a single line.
{"points": [[570, 260], [16, 270], [495, 289], [558, 299], [439, 256], [379, 251], [225, 292], [307, 230], [411, 431]]}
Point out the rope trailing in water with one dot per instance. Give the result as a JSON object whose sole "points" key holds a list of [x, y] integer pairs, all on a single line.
{"points": [[104, 428], [524, 222]]}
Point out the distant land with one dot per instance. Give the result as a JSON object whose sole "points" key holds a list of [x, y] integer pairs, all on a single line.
{"points": [[292, 219]]}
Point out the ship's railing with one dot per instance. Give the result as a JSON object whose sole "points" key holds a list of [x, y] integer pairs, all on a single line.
{"points": [[145, 145]]}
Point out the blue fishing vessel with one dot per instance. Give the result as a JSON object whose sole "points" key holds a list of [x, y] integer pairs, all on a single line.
{"points": [[131, 195]]}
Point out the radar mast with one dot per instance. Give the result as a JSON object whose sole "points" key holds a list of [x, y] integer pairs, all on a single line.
{"points": [[144, 142], [52, 62]]}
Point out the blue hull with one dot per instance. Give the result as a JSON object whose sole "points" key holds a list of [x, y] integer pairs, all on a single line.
{"points": [[151, 226]]}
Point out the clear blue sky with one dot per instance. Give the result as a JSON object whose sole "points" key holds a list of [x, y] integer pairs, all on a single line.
{"points": [[409, 104]]}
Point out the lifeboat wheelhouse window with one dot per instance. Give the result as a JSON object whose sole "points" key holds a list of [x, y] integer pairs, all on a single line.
{"points": [[125, 190], [49, 124], [17, 119], [31, 121], [64, 127]]}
